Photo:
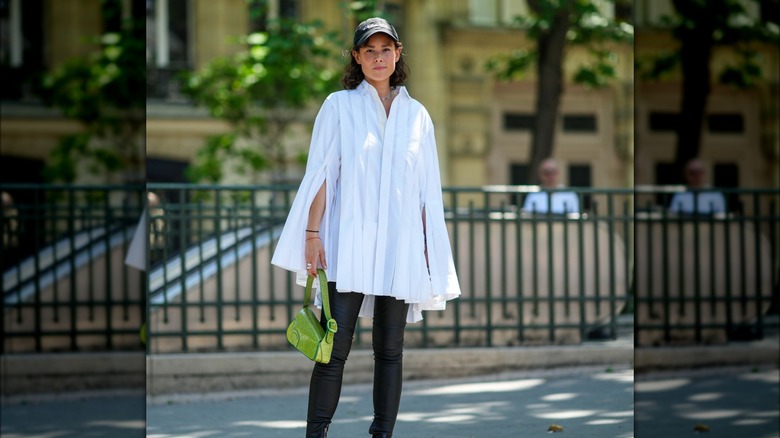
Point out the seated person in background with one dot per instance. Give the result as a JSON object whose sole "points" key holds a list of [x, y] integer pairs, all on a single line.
{"points": [[707, 202], [562, 202]]}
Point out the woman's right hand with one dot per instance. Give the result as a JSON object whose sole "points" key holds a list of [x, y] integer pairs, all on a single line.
{"points": [[315, 254]]}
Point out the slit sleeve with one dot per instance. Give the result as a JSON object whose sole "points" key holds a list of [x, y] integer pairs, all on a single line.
{"points": [[444, 280], [322, 166]]}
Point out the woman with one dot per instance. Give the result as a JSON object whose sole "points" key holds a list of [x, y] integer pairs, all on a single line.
{"points": [[369, 211]]}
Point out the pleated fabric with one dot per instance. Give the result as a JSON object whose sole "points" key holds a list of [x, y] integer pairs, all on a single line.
{"points": [[381, 174]]}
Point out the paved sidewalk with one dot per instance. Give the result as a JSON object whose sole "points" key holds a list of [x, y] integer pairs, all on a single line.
{"points": [[730, 402], [585, 401], [82, 415]]}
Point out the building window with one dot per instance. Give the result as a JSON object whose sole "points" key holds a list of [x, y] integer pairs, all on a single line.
{"points": [[578, 123], [10, 33], [503, 12], [518, 122], [726, 123], [495, 12], [579, 175], [483, 13], [288, 9], [167, 46], [117, 11], [113, 13], [258, 15], [261, 11], [726, 175], [21, 47], [663, 121], [519, 175], [163, 170], [666, 173], [624, 10], [167, 33]]}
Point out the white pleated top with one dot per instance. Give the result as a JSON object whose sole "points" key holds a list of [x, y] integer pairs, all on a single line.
{"points": [[381, 171]]}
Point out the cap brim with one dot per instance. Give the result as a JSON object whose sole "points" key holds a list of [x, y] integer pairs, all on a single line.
{"points": [[371, 33]]}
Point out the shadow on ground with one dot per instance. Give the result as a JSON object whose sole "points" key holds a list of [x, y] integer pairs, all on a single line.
{"points": [[115, 417], [726, 402], [586, 403]]}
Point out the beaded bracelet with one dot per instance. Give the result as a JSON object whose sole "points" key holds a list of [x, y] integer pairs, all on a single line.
{"points": [[312, 231]]}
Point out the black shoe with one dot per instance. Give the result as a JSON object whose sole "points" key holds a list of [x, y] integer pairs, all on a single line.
{"points": [[317, 430], [599, 334]]}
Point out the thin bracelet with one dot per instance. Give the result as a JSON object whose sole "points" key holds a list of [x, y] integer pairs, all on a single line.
{"points": [[311, 238], [312, 231]]}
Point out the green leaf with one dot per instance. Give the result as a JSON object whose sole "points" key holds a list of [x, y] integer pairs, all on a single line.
{"points": [[110, 38], [104, 92], [653, 68], [257, 39], [258, 53], [258, 89]]}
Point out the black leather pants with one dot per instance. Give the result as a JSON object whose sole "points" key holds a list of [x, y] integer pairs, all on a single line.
{"points": [[388, 342]]}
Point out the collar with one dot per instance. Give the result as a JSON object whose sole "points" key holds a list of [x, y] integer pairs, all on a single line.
{"points": [[366, 88]]}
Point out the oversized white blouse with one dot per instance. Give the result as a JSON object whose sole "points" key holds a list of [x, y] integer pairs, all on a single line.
{"points": [[381, 171]]}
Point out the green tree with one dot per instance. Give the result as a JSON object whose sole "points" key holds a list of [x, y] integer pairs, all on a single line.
{"points": [[105, 92], [363, 10], [260, 92], [554, 26], [700, 26]]}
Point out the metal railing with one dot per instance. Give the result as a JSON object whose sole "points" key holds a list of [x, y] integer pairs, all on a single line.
{"points": [[706, 278], [65, 285], [526, 278]]}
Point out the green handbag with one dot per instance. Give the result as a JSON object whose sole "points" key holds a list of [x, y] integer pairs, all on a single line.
{"points": [[305, 331]]}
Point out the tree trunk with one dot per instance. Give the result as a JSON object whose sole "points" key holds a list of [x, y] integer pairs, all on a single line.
{"points": [[549, 68], [695, 52]]}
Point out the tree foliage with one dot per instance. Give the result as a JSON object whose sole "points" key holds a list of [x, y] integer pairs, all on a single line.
{"points": [[700, 27], [585, 26], [260, 92], [105, 93], [359, 11], [554, 26]]}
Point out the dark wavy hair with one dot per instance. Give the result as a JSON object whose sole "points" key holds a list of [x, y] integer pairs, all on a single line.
{"points": [[353, 74]]}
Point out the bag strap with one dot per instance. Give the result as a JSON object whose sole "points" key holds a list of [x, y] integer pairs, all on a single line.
{"points": [[324, 292]]}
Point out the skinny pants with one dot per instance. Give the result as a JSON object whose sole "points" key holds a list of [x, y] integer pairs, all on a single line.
{"points": [[388, 342]]}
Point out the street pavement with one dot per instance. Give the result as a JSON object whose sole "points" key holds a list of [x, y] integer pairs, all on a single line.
{"points": [[584, 401], [728, 402], [82, 415]]}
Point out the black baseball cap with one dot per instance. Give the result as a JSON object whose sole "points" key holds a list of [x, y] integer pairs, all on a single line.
{"points": [[371, 26]]}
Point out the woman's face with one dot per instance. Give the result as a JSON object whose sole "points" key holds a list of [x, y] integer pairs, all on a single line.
{"points": [[377, 58]]}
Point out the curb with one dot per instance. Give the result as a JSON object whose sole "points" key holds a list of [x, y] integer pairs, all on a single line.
{"points": [[200, 373], [664, 358], [54, 373], [167, 374]]}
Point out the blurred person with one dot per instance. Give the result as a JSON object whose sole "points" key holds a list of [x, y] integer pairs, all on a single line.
{"points": [[706, 200], [10, 221], [370, 204], [157, 222], [562, 202]]}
